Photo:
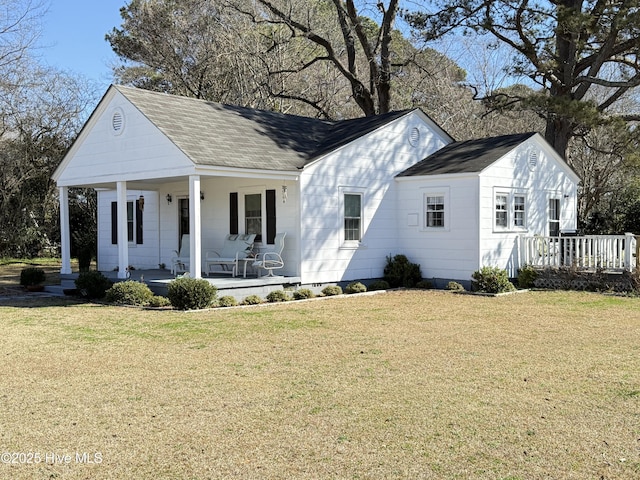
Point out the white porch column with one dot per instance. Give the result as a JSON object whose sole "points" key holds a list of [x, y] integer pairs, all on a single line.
{"points": [[195, 227], [65, 233], [123, 239]]}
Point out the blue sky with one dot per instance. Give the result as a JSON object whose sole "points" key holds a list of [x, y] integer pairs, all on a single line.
{"points": [[73, 37]]}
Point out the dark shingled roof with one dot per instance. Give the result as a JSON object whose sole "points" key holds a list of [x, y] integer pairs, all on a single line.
{"points": [[470, 156], [222, 135]]}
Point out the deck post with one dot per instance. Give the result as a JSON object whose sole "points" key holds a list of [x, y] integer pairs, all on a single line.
{"points": [[629, 251]]}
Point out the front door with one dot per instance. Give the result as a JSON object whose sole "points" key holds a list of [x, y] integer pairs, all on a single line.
{"points": [[554, 217]]}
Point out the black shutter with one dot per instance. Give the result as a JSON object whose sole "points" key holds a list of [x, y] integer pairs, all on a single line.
{"points": [[233, 213], [139, 228], [114, 223], [271, 216]]}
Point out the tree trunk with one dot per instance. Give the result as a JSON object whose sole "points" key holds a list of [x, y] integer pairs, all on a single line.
{"points": [[558, 133]]}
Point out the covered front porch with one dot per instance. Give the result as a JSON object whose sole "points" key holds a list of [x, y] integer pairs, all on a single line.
{"points": [[158, 281]]}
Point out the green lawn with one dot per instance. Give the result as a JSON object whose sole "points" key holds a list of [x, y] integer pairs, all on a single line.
{"points": [[410, 384]]}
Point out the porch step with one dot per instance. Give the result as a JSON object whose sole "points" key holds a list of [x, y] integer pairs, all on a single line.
{"points": [[65, 284]]}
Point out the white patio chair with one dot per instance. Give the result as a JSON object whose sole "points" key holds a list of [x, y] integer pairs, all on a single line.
{"points": [[271, 260], [235, 248], [180, 263]]}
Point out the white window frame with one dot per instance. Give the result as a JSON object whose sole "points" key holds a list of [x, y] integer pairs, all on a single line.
{"points": [[510, 210], [557, 199], [242, 217], [342, 192], [523, 222], [501, 208], [131, 223], [435, 193]]}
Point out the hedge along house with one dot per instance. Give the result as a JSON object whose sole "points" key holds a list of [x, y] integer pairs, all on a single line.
{"points": [[347, 193]]}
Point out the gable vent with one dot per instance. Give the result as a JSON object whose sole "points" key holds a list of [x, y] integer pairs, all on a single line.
{"points": [[533, 160], [117, 122], [414, 136]]}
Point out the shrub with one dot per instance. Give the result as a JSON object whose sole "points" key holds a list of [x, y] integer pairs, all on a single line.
{"points": [[227, 301], [129, 293], [278, 296], [158, 301], [252, 300], [424, 284], [400, 272], [188, 293], [454, 287], [378, 285], [527, 276], [492, 280], [303, 294], [93, 284], [32, 276], [355, 287], [331, 290]]}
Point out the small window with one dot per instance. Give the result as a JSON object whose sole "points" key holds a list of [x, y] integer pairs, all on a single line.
{"points": [[502, 219], [434, 207], [130, 221], [135, 228], [352, 217], [253, 215], [519, 211]]}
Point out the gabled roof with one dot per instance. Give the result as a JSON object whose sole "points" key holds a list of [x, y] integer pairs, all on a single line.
{"points": [[470, 156], [223, 135]]}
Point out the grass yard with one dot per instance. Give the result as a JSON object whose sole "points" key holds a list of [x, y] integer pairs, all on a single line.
{"points": [[411, 384]]}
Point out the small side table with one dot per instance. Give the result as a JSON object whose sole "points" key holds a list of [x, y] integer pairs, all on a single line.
{"points": [[245, 261]]}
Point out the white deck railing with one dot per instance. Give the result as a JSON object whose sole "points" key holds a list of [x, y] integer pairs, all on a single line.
{"points": [[589, 252]]}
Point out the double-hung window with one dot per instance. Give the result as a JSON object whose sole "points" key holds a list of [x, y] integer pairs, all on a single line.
{"points": [[134, 222], [253, 215], [434, 211], [510, 210], [502, 212], [519, 212], [352, 217]]}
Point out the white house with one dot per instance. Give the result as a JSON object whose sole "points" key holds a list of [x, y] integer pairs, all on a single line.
{"points": [[347, 194]]}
